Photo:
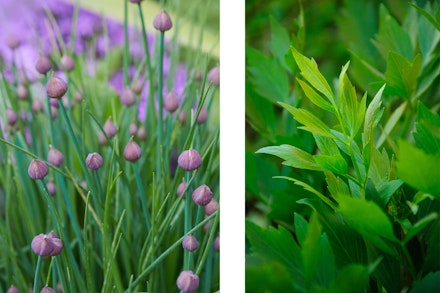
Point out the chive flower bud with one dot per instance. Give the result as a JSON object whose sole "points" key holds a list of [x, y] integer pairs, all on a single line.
{"points": [[43, 65], [54, 156], [138, 86], [132, 151], [11, 117], [12, 289], [47, 245], [203, 115], [127, 97], [211, 207], [37, 169], [94, 161], [56, 87], [187, 282], [51, 188], [110, 128], [189, 160], [37, 106], [162, 21], [22, 92], [133, 129], [181, 188], [202, 195], [214, 76], [47, 289], [142, 133], [216, 243], [67, 63], [190, 243], [13, 41], [170, 102]]}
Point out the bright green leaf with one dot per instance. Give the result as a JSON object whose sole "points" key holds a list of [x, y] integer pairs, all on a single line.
{"points": [[372, 117], [401, 75], [315, 97], [292, 156], [335, 163], [419, 226]]}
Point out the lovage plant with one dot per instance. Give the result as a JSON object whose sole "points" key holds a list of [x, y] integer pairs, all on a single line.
{"points": [[109, 152], [365, 217]]}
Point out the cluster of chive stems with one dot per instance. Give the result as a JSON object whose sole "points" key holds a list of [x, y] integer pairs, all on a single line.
{"points": [[50, 245]]}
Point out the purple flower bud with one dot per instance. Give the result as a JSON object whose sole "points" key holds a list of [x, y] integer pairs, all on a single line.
{"points": [[94, 161], [202, 195], [189, 160], [53, 112], [216, 243], [182, 117], [214, 76], [51, 188], [43, 65], [13, 41], [22, 92], [37, 169], [203, 115], [170, 102], [13, 289], [68, 63], [47, 245], [127, 97], [181, 188], [211, 207], [47, 289], [190, 243], [142, 133], [37, 106], [187, 282], [11, 117], [135, 1], [54, 103], [110, 128], [162, 22], [133, 129], [56, 87], [54, 156], [132, 151], [138, 86]]}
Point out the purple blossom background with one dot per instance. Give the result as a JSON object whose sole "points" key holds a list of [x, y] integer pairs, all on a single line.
{"points": [[27, 21]]}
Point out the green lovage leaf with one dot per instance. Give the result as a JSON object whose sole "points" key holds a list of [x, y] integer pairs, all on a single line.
{"points": [[280, 42], [267, 276], [315, 97], [429, 283], [392, 122], [351, 278], [309, 70], [311, 123], [369, 220], [418, 169], [277, 245], [300, 228], [419, 226], [268, 77], [372, 117], [428, 36], [401, 75], [334, 163], [435, 21], [326, 145], [427, 135], [292, 156]]}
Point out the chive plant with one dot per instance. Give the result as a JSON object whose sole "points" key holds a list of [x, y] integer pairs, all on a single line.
{"points": [[97, 137]]}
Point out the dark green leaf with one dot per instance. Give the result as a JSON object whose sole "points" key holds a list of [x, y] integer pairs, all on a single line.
{"points": [[419, 226], [300, 228], [279, 43], [352, 278], [430, 283]]}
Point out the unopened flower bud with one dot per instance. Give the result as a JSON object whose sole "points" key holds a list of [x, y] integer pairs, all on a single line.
{"points": [[47, 289], [181, 188], [68, 63], [203, 115], [94, 161], [187, 282], [202, 195], [37, 169], [182, 117], [211, 207], [51, 188], [142, 133], [13, 41], [12, 289], [54, 156], [132, 151], [37, 106], [11, 117], [216, 243], [47, 245], [162, 22], [133, 129], [110, 128], [214, 76], [170, 102], [22, 92], [138, 86], [43, 65], [189, 160], [127, 97], [56, 87], [190, 243]]}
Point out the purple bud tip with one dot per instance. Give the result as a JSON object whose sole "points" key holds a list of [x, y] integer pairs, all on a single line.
{"points": [[135, 1], [211, 207], [127, 97], [202, 195], [190, 243], [138, 86], [51, 188], [216, 243], [170, 102], [13, 41], [133, 129], [132, 151], [22, 92], [181, 188], [94, 161], [203, 115], [189, 160], [47, 289], [162, 22], [47, 245], [11, 117], [37, 169], [68, 63], [142, 133], [110, 128], [187, 282], [56, 87], [12, 289], [43, 65], [54, 156], [37, 106], [214, 76]]}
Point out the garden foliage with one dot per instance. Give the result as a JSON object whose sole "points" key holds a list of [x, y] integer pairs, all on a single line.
{"points": [[357, 209]]}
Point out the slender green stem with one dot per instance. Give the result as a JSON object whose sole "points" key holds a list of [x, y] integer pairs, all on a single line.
{"points": [[160, 110], [187, 227], [142, 195], [37, 274], [209, 244]]}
